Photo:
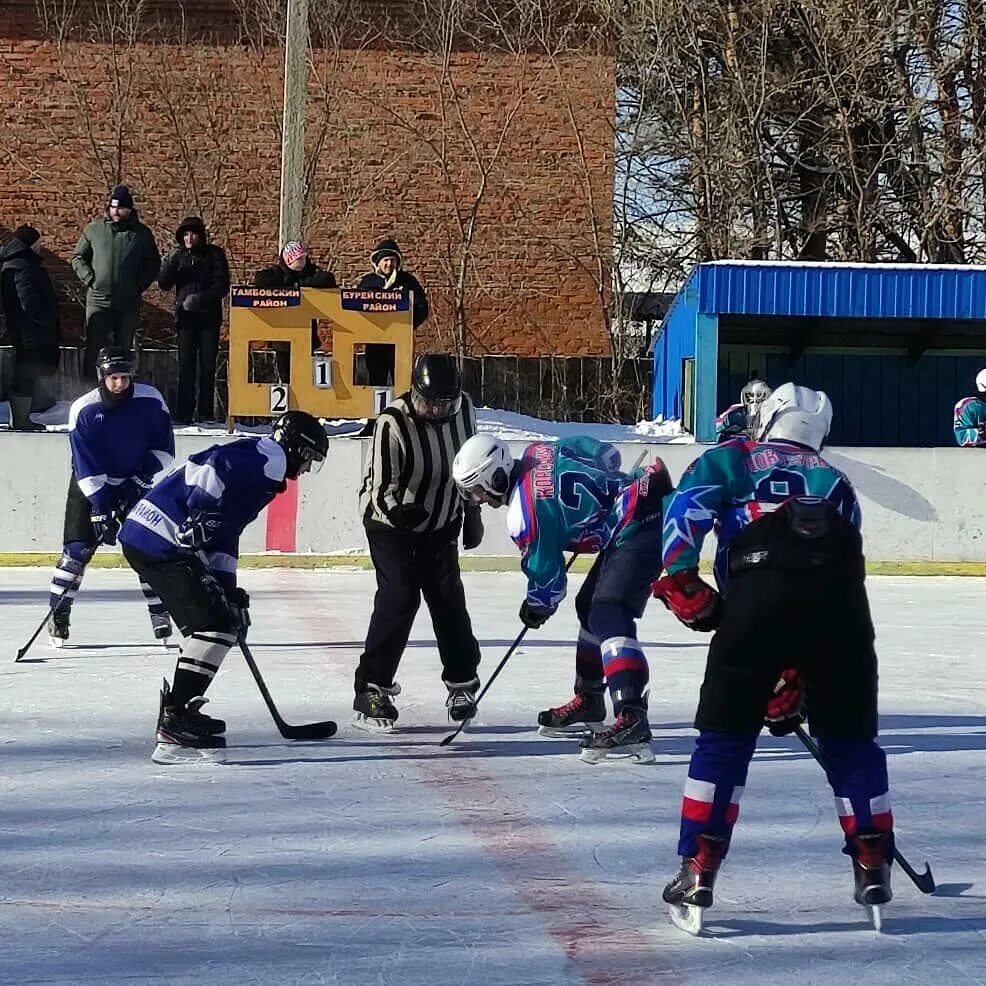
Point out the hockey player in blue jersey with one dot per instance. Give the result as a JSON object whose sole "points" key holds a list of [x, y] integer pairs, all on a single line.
{"points": [[969, 419], [794, 626], [183, 539], [121, 437], [571, 495], [740, 420]]}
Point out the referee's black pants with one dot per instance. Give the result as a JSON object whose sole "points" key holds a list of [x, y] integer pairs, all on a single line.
{"points": [[408, 566]]}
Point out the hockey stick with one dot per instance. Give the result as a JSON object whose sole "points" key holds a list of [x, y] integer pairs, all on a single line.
{"points": [[308, 731], [51, 612], [506, 657], [925, 882]]}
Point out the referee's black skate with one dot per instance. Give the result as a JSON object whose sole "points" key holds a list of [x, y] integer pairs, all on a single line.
{"points": [[585, 713], [461, 701], [627, 739], [374, 710], [185, 733], [58, 628], [690, 891], [871, 873]]}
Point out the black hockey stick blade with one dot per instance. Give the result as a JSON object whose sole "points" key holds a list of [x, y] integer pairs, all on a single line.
{"points": [[308, 731], [925, 882]]}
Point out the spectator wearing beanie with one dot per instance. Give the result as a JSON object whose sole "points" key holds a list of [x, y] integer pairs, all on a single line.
{"points": [[199, 273], [294, 269], [388, 274], [31, 308], [117, 260]]}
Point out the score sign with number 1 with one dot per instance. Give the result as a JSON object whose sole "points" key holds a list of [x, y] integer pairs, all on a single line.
{"points": [[278, 398]]}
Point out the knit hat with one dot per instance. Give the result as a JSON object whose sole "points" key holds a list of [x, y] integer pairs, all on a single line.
{"points": [[386, 248], [293, 250], [121, 197], [28, 235], [190, 224]]}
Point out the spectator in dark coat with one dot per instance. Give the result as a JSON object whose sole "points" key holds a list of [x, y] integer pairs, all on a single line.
{"points": [[117, 260], [31, 308], [294, 269], [199, 273], [388, 274]]}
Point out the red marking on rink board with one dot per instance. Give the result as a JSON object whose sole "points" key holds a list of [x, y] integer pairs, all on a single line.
{"points": [[594, 931], [282, 520]]}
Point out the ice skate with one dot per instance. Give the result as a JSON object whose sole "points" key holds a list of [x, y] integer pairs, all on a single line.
{"points": [[689, 894], [585, 713], [161, 624], [185, 734], [871, 873], [58, 628], [627, 739], [461, 702], [373, 709]]}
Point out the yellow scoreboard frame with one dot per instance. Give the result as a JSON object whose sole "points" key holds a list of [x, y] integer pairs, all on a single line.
{"points": [[321, 382]]}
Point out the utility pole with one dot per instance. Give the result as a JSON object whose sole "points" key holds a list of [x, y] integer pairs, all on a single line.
{"points": [[293, 123]]}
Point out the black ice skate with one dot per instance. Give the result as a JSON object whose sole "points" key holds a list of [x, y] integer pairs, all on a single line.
{"points": [[690, 892], [58, 627], [374, 711], [627, 739], [461, 701], [184, 733], [582, 714], [161, 624], [871, 871]]}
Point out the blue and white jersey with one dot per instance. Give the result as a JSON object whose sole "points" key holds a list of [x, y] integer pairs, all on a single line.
{"points": [[110, 445], [234, 481]]}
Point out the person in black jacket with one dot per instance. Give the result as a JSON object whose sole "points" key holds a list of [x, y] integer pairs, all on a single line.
{"points": [[294, 269], [199, 273], [388, 274], [32, 320]]}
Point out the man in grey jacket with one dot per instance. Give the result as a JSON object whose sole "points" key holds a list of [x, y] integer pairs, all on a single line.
{"points": [[117, 260]]}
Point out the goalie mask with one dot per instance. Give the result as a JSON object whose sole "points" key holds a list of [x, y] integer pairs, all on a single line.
{"points": [[752, 396], [481, 470]]}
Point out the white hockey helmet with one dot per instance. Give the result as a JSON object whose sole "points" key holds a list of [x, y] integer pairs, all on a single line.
{"points": [[481, 470], [981, 381], [796, 414], [752, 396]]}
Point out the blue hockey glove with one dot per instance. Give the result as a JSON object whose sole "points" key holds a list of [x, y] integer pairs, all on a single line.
{"points": [[198, 530]]}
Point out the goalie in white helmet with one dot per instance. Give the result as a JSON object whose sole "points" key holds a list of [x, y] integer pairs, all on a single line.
{"points": [[969, 419], [743, 419], [795, 629]]}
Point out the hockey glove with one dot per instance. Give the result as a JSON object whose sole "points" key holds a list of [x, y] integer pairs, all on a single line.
{"points": [[105, 527], [131, 493], [197, 530], [407, 516], [693, 601], [534, 617], [785, 708], [239, 607], [472, 528]]}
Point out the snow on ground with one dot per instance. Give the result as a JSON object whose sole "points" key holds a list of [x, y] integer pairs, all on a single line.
{"points": [[505, 424], [500, 859]]}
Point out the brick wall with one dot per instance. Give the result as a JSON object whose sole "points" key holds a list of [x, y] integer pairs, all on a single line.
{"points": [[193, 127]]}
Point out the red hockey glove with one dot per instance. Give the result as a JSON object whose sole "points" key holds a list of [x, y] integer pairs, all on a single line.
{"points": [[785, 708], [693, 601]]}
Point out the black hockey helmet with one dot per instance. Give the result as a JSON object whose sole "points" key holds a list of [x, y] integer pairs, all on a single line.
{"points": [[112, 360], [304, 441], [436, 386]]}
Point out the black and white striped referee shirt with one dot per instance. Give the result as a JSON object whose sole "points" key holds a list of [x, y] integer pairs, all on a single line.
{"points": [[411, 462]]}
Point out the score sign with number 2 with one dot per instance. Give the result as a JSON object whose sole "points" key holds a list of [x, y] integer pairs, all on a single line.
{"points": [[278, 398]]}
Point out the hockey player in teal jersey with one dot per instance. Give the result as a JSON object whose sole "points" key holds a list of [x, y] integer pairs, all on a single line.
{"points": [[969, 419], [741, 420], [793, 634], [571, 495]]}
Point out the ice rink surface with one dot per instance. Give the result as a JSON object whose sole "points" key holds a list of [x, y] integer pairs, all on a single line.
{"points": [[501, 859]]}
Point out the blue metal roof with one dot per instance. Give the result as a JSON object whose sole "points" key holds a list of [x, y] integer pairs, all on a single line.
{"points": [[929, 291]]}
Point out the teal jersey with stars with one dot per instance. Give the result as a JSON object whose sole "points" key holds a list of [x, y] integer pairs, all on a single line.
{"points": [[572, 496], [733, 484], [968, 418]]}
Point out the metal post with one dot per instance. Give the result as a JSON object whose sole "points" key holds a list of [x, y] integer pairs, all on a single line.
{"points": [[293, 124]]}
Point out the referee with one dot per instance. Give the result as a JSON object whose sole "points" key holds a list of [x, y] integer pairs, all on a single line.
{"points": [[413, 514]]}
